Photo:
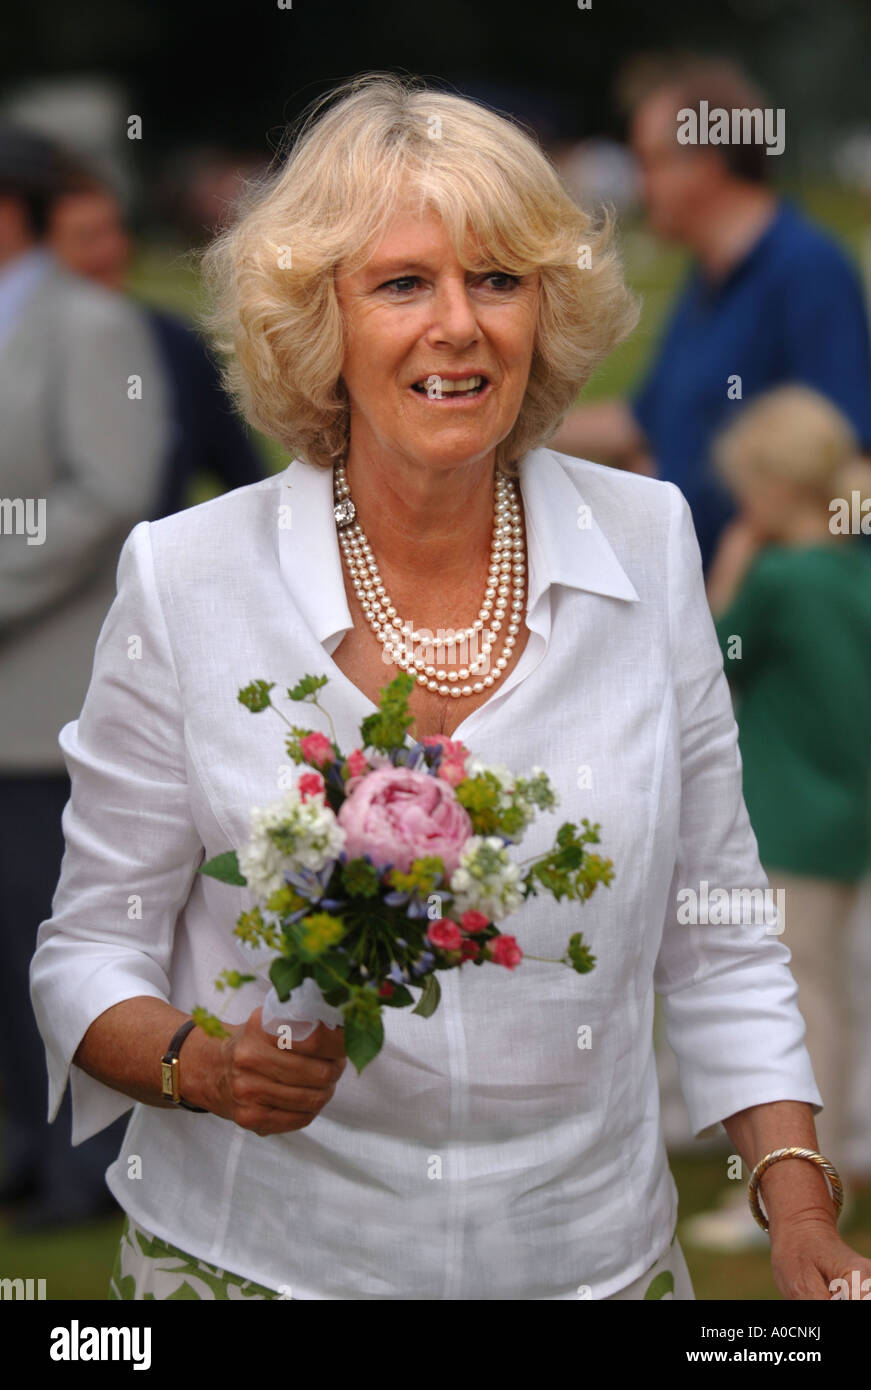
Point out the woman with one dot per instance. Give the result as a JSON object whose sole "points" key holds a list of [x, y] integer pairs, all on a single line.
{"points": [[411, 309]]}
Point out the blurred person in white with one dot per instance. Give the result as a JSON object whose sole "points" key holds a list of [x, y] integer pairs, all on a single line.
{"points": [[82, 451], [413, 258], [790, 589]]}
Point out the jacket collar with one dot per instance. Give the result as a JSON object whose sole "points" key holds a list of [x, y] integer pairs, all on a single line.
{"points": [[560, 551]]}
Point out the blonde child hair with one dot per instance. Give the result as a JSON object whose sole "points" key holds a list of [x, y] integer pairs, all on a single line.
{"points": [[795, 436]]}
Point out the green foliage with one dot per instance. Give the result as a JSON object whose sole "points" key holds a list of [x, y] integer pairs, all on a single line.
{"points": [[579, 956], [480, 797], [256, 696], [430, 997], [568, 871], [387, 730], [364, 1029], [251, 928], [224, 867], [231, 979], [360, 878], [307, 686], [422, 877], [399, 999], [209, 1023], [316, 933], [330, 970], [286, 975]]}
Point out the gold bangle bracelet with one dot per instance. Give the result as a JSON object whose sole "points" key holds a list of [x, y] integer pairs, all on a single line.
{"points": [[829, 1169]]}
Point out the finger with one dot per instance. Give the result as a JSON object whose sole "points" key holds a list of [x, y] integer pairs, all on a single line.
{"points": [[266, 1095], [323, 1042], [285, 1068]]}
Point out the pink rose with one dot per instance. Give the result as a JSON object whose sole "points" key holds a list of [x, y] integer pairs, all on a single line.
{"points": [[470, 949], [452, 767], [445, 934], [397, 814], [317, 749], [472, 921], [504, 950], [310, 783]]}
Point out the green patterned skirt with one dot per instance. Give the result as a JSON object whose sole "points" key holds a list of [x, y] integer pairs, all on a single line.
{"points": [[146, 1266]]}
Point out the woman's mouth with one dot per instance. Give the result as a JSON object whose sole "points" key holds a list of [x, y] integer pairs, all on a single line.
{"points": [[440, 390]]}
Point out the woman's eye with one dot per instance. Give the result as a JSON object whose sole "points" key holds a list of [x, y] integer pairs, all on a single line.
{"points": [[404, 284], [508, 281]]}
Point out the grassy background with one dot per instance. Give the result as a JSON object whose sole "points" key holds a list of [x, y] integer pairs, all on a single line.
{"points": [[77, 1262]]}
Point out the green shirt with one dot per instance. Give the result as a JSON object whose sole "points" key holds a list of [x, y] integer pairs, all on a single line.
{"points": [[801, 675]]}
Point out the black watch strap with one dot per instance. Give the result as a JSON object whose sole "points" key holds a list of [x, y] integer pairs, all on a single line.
{"points": [[169, 1069]]}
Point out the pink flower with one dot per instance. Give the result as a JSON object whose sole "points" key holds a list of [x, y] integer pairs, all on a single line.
{"points": [[470, 949], [452, 767], [397, 815], [445, 934], [317, 749], [504, 950], [310, 783], [357, 764], [472, 921]]}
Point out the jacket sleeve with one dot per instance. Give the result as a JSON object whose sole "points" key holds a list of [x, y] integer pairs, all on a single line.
{"points": [[729, 996], [110, 453], [131, 846]]}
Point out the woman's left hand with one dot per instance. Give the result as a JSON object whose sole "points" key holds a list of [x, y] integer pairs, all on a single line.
{"points": [[808, 1256]]}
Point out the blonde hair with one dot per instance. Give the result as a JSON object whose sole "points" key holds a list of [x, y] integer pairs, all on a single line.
{"points": [[352, 166], [796, 435]]}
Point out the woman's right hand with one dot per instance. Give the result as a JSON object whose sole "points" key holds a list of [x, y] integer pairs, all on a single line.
{"points": [[249, 1079]]}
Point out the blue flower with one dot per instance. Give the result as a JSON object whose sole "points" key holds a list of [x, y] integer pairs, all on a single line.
{"points": [[395, 899]]}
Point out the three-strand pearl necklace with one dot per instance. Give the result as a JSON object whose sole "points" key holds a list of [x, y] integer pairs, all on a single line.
{"points": [[506, 581]]}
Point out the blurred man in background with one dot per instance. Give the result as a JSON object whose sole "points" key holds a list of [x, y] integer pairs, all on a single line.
{"points": [[770, 299], [87, 233], [83, 449]]}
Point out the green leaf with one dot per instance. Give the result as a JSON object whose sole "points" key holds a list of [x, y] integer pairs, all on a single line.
{"points": [[307, 686], [224, 867], [209, 1023], [337, 997], [386, 730], [399, 999], [328, 967], [364, 1035], [286, 975], [256, 696], [429, 999], [580, 956]]}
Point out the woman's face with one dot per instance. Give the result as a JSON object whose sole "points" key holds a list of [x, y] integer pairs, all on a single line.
{"points": [[417, 322]]}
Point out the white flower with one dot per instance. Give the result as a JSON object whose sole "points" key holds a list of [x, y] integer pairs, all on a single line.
{"points": [[312, 837], [504, 776], [486, 879]]}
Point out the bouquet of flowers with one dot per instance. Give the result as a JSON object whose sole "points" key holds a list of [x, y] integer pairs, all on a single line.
{"points": [[378, 870]]}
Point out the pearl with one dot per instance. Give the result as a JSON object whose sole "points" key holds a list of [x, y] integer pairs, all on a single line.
{"points": [[505, 581]]}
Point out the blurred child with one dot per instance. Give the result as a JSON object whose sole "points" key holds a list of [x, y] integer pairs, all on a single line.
{"points": [[790, 591]]}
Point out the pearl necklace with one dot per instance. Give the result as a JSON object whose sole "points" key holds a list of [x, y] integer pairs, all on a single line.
{"points": [[506, 581]]}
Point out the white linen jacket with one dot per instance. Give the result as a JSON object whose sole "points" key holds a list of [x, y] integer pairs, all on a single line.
{"points": [[509, 1146]]}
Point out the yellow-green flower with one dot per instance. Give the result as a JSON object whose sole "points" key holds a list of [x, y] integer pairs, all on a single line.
{"points": [[318, 932]]}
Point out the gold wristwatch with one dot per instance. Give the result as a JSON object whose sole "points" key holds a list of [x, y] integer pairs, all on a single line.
{"points": [[169, 1072]]}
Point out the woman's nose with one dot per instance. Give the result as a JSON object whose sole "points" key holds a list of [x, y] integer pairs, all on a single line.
{"points": [[454, 318]]}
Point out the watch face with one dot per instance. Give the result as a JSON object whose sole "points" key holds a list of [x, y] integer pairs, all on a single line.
{"points": [[168, 1074]]}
